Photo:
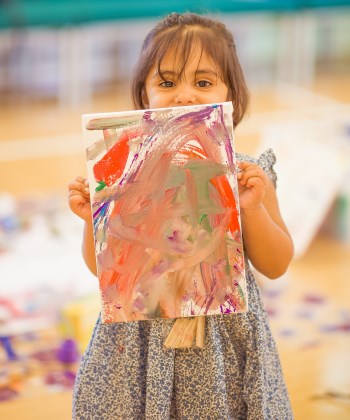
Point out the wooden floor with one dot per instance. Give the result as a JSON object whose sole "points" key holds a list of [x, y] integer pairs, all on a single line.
{"points": [[41, 150]]}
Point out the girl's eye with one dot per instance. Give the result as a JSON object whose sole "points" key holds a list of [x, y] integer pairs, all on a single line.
{"points": [[167, 84], [203, 83]]}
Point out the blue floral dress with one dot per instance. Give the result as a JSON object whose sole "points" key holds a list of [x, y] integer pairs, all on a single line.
{"points": [[127, 374]]}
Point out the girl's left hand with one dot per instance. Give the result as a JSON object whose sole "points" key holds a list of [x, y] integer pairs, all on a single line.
{"points": [[252, 185]]}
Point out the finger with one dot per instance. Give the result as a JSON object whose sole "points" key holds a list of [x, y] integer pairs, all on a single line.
{"points": [[253, 171], [79, 186], [243, 165], [248, 166], [245, 176], [255, 182], [78, 193], [82, 180], [77, 205]]}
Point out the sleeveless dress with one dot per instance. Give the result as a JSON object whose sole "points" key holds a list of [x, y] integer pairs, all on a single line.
{"points": [[127, 374]]}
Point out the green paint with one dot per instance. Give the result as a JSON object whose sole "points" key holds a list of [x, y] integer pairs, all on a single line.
{"points": [[227, 267], [203, 216], [101, 185], [240, 291], [111, 122], [191, 239], [205, 223]]}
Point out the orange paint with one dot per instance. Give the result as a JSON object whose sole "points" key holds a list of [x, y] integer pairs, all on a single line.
{"points": [[220, 183], [228, 199]]}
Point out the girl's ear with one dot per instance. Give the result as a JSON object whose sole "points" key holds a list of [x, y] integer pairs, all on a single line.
{"points": [[144, 98]]}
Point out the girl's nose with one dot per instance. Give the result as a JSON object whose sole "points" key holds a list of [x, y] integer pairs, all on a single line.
{"points": [[185, 95]]}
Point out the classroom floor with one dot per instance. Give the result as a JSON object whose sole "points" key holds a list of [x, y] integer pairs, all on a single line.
{"points": [[41, 151]]}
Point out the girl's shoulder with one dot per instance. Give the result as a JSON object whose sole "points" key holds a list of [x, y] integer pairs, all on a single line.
{"points": [[266, 160]]}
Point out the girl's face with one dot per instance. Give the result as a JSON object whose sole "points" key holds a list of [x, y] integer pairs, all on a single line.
{"points": [[200, 83]]}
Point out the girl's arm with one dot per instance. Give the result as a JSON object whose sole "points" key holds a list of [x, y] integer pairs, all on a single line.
{"points": [[88, 247], [79, 203], [267, 241]]}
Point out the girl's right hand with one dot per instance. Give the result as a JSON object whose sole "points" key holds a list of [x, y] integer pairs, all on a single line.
{"points": [[79, 198]]}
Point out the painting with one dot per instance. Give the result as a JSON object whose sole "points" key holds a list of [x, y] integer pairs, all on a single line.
{"points": [[165, 208]]}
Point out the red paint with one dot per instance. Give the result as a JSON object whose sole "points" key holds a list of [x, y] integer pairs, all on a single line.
{"points": [[111, 166]]}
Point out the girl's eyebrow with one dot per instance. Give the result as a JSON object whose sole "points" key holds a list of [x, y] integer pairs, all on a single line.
{"points": [[199, 72], [206, 71], [164, 73]]}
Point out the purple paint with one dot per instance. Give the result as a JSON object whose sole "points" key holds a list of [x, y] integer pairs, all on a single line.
{"points": [[196, 117], [226, 310], [272, 294], [100, 209], [7, 394], [287, 332], [147, 116], [314, 299], [228, 145], [334, 328], [68, 352], [305, 314], [139, 304], [64, 379], [5, 341], [271, 312], [45, 356]]}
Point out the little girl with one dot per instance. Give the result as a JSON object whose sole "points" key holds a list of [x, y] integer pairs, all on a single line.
{"points": [[126, 372]]}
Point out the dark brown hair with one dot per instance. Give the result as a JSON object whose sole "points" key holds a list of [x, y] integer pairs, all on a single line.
{"points": [[180, 32]]}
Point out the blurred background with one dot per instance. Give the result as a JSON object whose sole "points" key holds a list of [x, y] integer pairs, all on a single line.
{"points": [[59, 60]]}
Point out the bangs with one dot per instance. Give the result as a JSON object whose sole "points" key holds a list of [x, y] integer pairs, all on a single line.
{"points": [[180, 42]]}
